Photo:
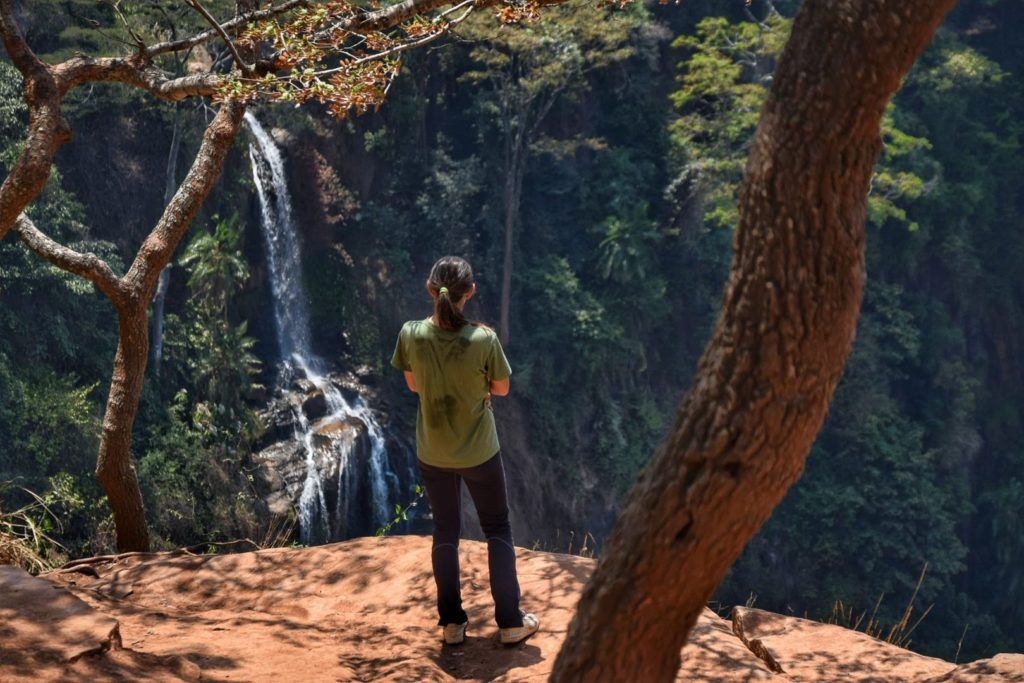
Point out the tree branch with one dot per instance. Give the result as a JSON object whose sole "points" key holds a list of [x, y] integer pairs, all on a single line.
{"points": [[116, 6], [157, 82], [158, 247], [395, 14], [239, 21], [47, 131], [88, 265], [369, 21], [14, 42], [444, 29], [242, 66]]}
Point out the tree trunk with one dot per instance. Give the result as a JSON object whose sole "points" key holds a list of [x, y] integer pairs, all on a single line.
{"points": [[164, 281], [113, 467], [516, 152], [765, 380], [512, 183], [47, 129]]}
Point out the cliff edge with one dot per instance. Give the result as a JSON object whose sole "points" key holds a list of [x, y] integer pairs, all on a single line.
{"points": [[362, 610]]}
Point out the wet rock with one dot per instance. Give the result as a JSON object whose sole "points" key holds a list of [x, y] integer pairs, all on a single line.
{"points": [[257, 395], [280, 474], [301, 385], [278, 422], [314, 405], [366, 375], [332, 431]]}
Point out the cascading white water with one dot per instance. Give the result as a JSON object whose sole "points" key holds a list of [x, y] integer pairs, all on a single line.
{"points": [[291, 318]]}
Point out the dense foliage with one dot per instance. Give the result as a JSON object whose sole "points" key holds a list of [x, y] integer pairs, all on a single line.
{"points": [[631, 137]]}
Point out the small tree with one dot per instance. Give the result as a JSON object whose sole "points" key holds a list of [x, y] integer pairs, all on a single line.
{"points": [[340, 55], [523, 71]]}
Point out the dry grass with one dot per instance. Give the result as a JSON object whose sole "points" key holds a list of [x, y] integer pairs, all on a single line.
{"points": [[898, 634], [279, 532], [23, 540]]}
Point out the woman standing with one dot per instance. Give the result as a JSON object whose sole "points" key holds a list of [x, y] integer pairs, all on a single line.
{"points": [[456, 366]]}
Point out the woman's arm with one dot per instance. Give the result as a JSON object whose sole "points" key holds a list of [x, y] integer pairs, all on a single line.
{"points": [[499, 387], [410, 380]]}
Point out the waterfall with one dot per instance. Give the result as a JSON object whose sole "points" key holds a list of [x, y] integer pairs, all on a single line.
{"points": [[291, 318]]}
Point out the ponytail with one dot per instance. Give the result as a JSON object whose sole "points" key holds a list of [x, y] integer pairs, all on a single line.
{"points": [[448, 315], [450, 280]]}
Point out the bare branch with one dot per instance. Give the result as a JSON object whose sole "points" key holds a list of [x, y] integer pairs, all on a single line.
{"points": [[366, 21], [47, 130], [88, 265], [242, 66], [158, 247], [443, 30], [14, 41], [396, 14], [116, 6], [237, 22], [157, 82]]}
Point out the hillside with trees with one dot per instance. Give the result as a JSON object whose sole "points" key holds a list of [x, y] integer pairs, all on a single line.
{"points": [[589, 165]]}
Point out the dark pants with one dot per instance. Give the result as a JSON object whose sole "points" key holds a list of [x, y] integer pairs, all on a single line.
{"points": [[486, 485]]}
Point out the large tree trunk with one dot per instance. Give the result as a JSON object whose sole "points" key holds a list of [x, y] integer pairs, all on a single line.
{"points": [[113, 466], [764, 383]]}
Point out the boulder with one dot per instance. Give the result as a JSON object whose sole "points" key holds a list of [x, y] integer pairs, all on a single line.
{"points": [[278, 422], [314, 405], [1003, 668], [301, 385], [804, 650], [280, 471], [47, 633], [41, 621]]}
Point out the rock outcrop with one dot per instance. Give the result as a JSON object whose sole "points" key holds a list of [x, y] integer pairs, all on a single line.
{"points": [[363, 610], [807, 650], [48, 633], [303, 417]]}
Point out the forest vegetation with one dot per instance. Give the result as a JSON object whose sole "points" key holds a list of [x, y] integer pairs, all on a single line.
{"points": [[589, 168]]}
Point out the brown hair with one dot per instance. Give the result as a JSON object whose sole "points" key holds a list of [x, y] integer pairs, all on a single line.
{"points": [[456, 276]]}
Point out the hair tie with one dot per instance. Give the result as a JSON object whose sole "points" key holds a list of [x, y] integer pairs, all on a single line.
{"points": [[443, 290]]}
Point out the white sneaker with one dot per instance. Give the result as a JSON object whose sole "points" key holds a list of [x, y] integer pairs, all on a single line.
{"points": [[517, 634], [454, 634]]}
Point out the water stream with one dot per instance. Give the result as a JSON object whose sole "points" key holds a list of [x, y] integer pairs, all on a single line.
{"points": [[291, 318]]}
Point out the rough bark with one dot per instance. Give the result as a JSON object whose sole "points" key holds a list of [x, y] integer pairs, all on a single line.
{"points": [[164, 281], [136, 72], [87, 265], [113, 467], [47, 130], [763, 385], [131, 296]]}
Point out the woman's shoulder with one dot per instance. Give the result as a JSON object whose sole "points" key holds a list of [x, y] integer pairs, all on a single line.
{"points": [[413, 326], [480, 332]]}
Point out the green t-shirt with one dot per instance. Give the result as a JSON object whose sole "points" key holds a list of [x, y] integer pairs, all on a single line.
{"points": [[453, 370]]}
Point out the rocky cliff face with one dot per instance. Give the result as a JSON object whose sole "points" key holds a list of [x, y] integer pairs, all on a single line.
{"points": [[307, 443], [363, 610]]}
